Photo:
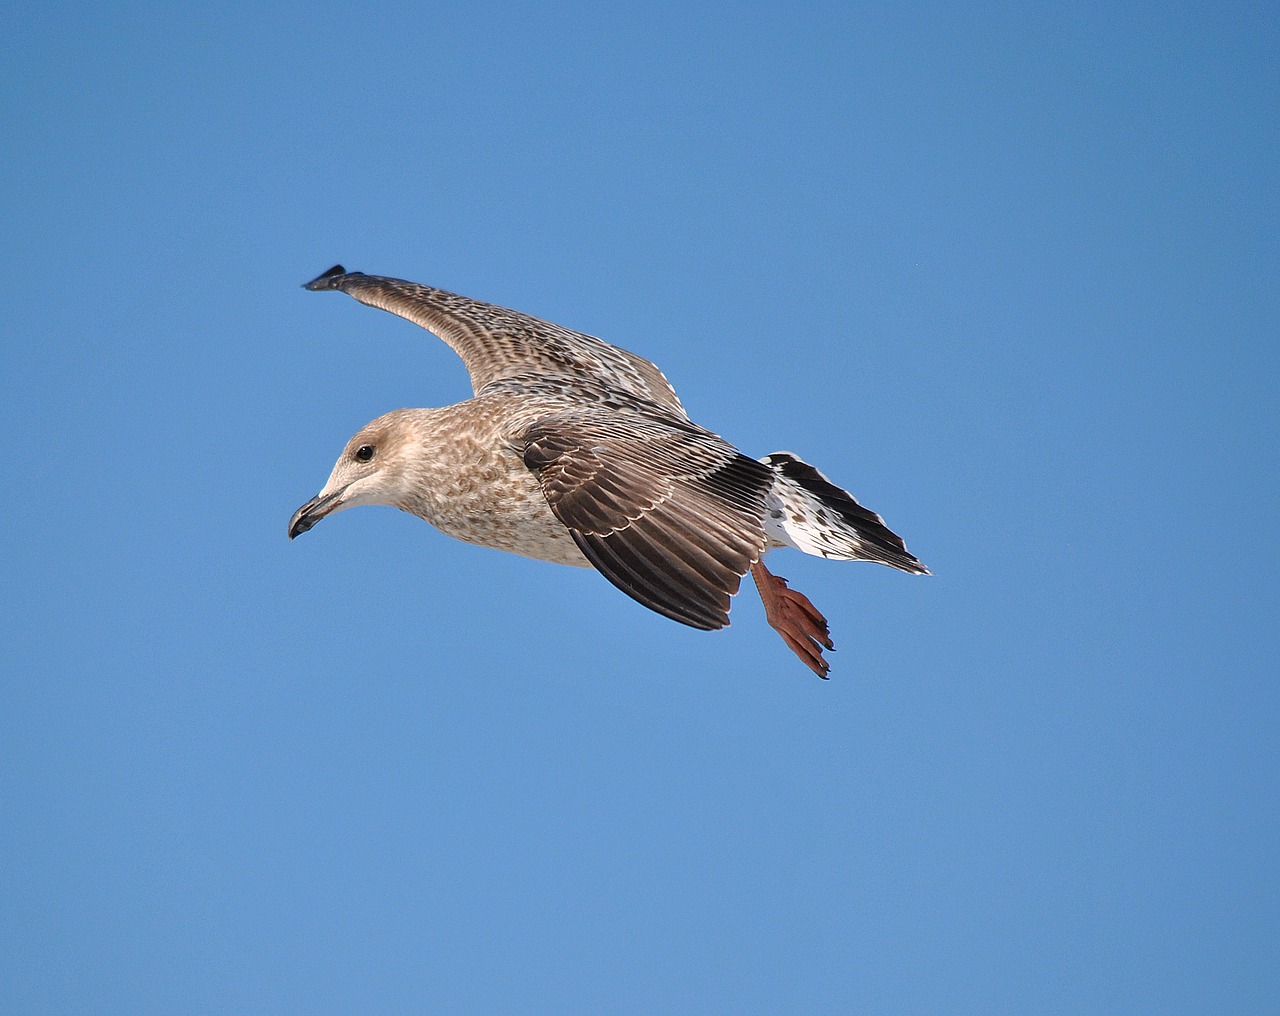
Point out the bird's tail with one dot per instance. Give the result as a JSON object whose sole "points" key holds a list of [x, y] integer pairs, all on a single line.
{"points": [[809, 512]]}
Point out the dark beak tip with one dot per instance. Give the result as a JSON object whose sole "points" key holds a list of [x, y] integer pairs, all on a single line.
{"points": [[313, 511], [299, 524]]}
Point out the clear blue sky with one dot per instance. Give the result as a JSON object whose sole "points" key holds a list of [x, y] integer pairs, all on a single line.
{"points": [[1009, 273]]}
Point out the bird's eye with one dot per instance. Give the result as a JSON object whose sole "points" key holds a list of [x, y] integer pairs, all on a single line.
{"points": [[364, 453]]}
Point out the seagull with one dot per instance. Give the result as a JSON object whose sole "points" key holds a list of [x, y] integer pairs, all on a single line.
{"points": [[577, 452]]}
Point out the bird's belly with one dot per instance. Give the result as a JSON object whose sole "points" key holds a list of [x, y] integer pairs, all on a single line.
{"points": [[510, 516]]}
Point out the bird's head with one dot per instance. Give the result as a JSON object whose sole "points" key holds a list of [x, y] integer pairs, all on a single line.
{"points": [[372, 469]]}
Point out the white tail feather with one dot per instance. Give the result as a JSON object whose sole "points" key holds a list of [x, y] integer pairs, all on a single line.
{"points": [[807, 511]]}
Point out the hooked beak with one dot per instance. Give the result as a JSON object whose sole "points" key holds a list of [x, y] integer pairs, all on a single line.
{"points": [[314, 510]]}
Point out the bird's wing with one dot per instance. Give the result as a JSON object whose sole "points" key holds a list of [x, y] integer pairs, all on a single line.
{"points": [[671, 514], [497, 344]]}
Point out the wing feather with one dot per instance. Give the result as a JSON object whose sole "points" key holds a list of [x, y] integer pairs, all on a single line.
{"points": [[498, 344], [671, 514]]}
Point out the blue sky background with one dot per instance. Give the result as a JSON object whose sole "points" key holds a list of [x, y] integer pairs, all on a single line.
{"points": [[1008, 272]]}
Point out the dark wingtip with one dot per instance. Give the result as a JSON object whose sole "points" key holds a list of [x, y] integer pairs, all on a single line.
{"points": [[325, 281]]}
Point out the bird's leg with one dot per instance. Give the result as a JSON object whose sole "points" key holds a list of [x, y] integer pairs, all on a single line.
{"points": [[793, 617]]}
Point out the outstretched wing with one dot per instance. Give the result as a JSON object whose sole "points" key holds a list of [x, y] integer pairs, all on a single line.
{"points": [[669, 513], [496, 343]]}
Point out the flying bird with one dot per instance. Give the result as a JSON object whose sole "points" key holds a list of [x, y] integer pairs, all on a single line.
{"points": [[577, 452]]}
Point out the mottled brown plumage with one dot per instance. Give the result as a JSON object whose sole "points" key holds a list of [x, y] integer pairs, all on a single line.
{"points": [[496, 343], [577, 452]]}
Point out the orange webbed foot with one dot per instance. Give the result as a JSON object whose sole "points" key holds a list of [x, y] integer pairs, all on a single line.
{"points": [[795, 618]]}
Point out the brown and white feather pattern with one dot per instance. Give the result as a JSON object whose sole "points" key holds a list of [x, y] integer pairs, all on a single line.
{"points": [[669, 513], [577, 452], [496, 343]]}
